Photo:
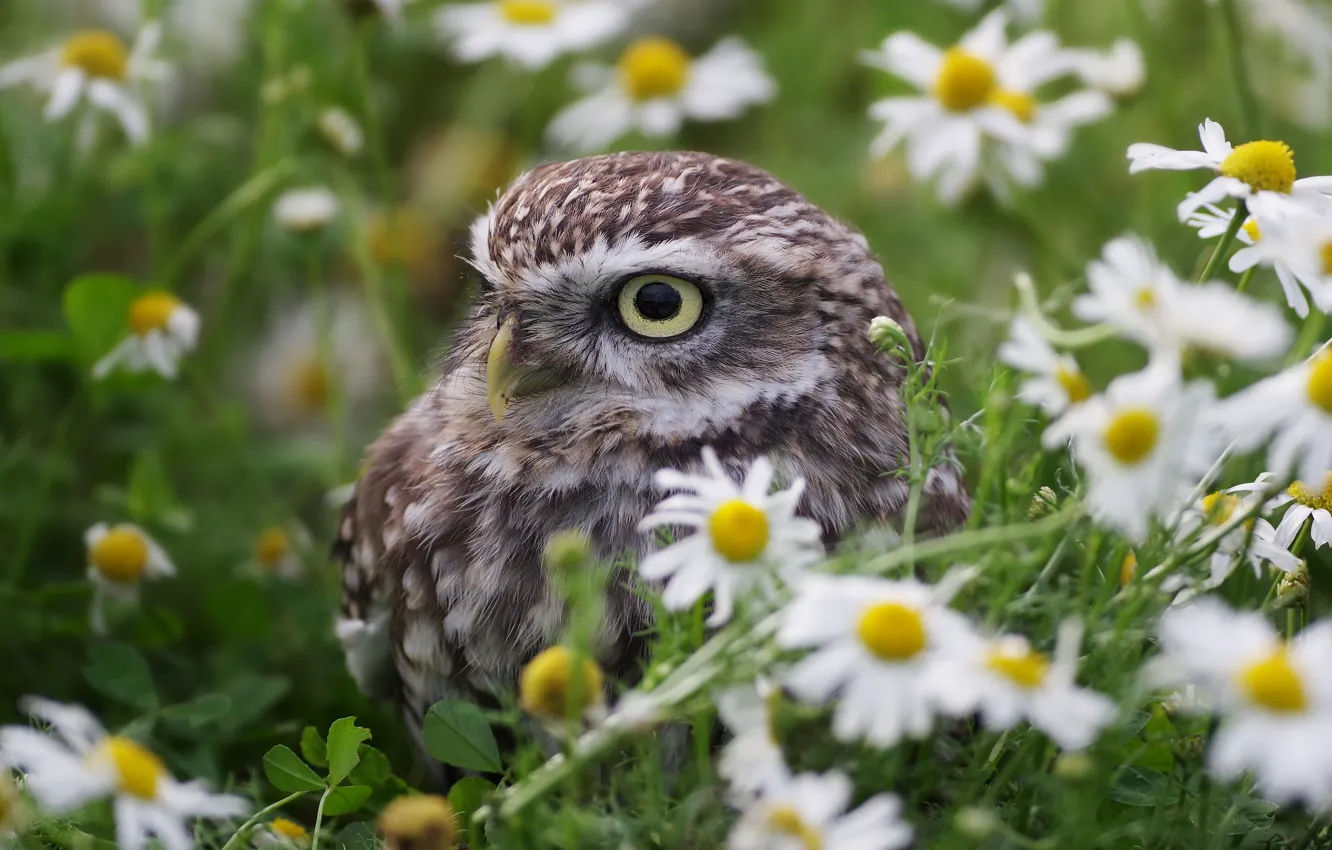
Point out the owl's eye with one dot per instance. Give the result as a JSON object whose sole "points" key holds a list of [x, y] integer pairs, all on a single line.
{"points": [[659, 306]]}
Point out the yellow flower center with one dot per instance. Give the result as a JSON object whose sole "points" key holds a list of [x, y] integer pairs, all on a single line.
{"points": [[1319, 386], [965, 81], [739, 531], [653, 67], [545, 688], [1020, 664], [786, 820], [151, 312], [1145, 298], [271, 547], [403, 237], [527, 12], [1265, 166], [121, 555], [288, 829], [138, 771], [1307, 496], [308, 385], [1274, 684], [1251, 228], [1074, 384], [1131, 435], [1019, 103], [1128, 568], [1326, 253], [1219, 507], [97, 53], [419, 821], [892, 631]]}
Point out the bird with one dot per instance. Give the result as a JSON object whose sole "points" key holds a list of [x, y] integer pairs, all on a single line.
{"points": [[630, 309]]}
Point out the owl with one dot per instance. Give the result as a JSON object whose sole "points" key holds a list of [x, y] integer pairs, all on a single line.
{"points": [[631, 309]]}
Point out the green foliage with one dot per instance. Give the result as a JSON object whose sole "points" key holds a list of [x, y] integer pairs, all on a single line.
{"points": [[457, 733]]}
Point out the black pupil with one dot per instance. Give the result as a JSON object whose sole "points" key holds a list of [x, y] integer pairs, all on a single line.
{"points": [[658, 301]]}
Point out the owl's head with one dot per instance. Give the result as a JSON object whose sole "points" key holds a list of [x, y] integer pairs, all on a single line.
{"points": [[668, 295]]}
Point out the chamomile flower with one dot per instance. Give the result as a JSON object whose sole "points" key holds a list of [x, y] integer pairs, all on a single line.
{"points": [[162, 330], [1297, 243], [81, 763], [1212, 512], [1254, 169], [278, 550], [745, 538], [1211, 221], [1118, 71], [809, 811], [281, 834], [119, 558], [1135, 292], [657, 86], [1305, 503], [1138, 443], [1056, 382], [13, 812], [1274, 697], [879, 644], [1294, 409], [752, 761], [529, 33], [557, 683], [305, 210], [95, 66], [1006, 680]]}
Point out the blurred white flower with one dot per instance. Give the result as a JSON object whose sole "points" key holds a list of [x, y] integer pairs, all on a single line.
{"points": [[162, 330], [211, 34], [341, 130], [809, 812], [1006, 680], [304, 210], [879, 645], [752, 761], [745, 537], [1139, 443], [1118, 71], [1211, 221], [1136, 293], [1296, 242], [1214, 511], [980, 88], [1294, 409], [278, 551], [81, 763], [1056, 381], [656, 86], [392, 9], [1274, 697], [1254, 169], [281, 834], [529, 33], [1307, 503], [95, 66], [119, 558]]}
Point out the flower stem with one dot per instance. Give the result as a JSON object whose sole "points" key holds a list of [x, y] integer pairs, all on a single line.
{"points": [[319, 818], [970, 541], [1244, 279], [1031, 309], [1239, 69], [245, 827], [1223, 247], [1309, 333]]}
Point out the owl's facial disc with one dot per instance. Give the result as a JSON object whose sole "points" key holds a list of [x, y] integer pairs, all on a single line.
{"points": [[507, 380]]}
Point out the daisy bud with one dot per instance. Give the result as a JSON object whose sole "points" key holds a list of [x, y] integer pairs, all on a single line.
{"points": [[975, 822], [1189, 747], [1128, 568], [1075, 766], [548, 688], [283, 834], [887, 334], [1043, 503], [13, 815], [1293, 588], [419, 822], [568, 551]]}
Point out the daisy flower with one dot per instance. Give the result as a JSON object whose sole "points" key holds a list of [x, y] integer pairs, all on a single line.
{"points": [[752, 761], [1136, 293], [81, 763], [162, 330], [282, 834], [877, 642], [810, 811], [547, 688], [341, 130], [1118, 71], [1297, 243], [13, 812], [1006, 680], [656, 86], [1138, 444], [1274, 697], [305, 210], [529, 33], [277, 551], [1294, 408], [1214, 511], [745, 536], [1254, 169], [94, 66], [1305, 503], [980, 88], [1211, 221], [119, 557], [1056, 383]]}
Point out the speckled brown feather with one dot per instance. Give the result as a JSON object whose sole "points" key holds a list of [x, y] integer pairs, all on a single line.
{"points": [[443, 537]]}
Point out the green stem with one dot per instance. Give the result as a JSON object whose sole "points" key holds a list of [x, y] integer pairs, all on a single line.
{"points": [[1239, 70], [1309, 333], [968, 541], [1315, 826], [319, 818], [1031, 310], [1223, 247], [1244, 279], [258, 816]]}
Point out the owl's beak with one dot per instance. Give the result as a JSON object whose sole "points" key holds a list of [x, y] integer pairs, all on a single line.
{"points": [[506, 380]]}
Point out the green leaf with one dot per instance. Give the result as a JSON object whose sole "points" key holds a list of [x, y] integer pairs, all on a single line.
{"points": [[97, 311], [457, 733], [346, 799], [467, 795], [313, 748], [20, 346], [344, 739], [358, 836], [198, 712], [288, 773], [373, 769], [1137, 787], [251, 696], [119, 672], [150, 493]]}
